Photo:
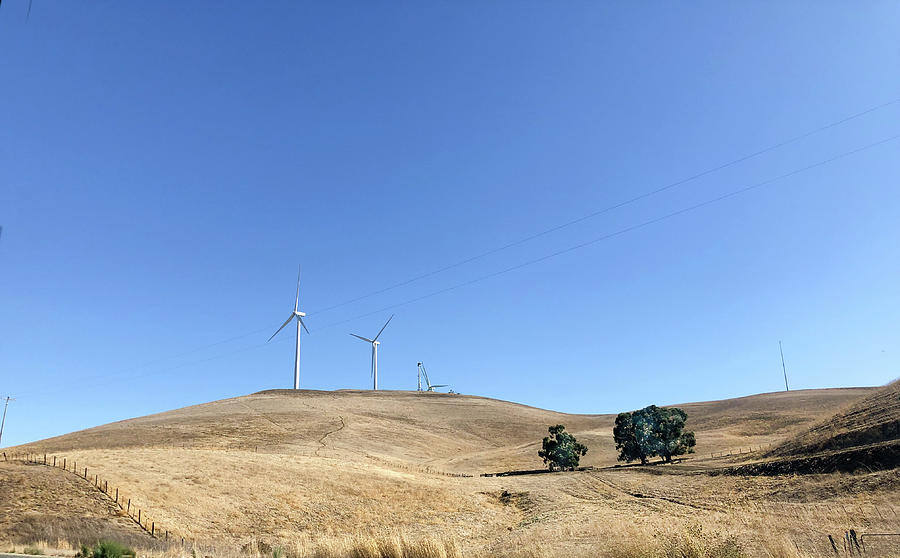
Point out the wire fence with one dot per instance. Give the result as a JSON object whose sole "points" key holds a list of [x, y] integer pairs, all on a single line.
{"points": [[138, 515]]}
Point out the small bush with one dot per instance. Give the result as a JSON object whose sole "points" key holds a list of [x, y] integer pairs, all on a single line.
{"points": [[111, 549], [32, 550]]}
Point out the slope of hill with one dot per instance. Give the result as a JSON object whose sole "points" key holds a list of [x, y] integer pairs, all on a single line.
{"points": [[456, 433], [863, 436], [40, 504], [872, 420]]}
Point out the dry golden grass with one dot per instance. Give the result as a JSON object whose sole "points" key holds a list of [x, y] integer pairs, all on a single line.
{"points": [[40, 504], [874, 419], [452, 433], [364, 474]]}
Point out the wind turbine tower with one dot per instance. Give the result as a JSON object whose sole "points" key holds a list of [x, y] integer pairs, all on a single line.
{"points": [[375, 344], [298, 315]]}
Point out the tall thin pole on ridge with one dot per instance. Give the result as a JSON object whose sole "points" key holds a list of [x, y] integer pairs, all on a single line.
{"points": [[3, 421], [783, 369]]}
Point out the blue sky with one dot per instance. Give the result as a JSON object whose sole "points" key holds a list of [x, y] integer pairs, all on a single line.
{"points": [[164, 168]]}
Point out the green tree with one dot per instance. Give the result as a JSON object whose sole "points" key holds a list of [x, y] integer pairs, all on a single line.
{"points": [[671, 437], [646, 434], [652, 431], [560, 450], [626, 442]]}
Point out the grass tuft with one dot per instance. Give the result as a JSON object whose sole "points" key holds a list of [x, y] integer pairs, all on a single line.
{"points": [[691, 542]]}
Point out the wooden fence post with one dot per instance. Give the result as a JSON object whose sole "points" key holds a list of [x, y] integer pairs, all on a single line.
{"points": [[117, 495], [85, 473], [64, 463], [129, 506], [139, 517], [54, 461]]}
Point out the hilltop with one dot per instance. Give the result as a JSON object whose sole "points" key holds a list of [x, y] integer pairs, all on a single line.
{"points": [[456, 433]]}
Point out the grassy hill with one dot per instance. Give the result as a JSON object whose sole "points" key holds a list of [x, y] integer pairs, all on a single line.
{"points": [[40, 504], [454, 433], [297, 468], [863, 436], [875, 419]]}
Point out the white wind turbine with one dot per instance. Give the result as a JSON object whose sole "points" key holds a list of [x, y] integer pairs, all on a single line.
{"points": [[375, 344], [299, 316]]}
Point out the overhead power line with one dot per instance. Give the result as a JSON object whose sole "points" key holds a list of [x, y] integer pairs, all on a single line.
{"points": [[551, 230], [622, 231], [609, 208], [562, 251]]}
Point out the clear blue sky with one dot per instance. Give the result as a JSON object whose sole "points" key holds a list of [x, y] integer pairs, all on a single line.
{"points": [[164, 167]]}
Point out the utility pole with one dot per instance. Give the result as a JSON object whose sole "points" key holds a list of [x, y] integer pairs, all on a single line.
{"points": [[3, 421], [783, 369]]}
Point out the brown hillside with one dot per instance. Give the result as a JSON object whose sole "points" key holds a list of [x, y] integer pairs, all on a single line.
{"points": [[457, 433], [295, 468], [873, 420], [42, 504]]}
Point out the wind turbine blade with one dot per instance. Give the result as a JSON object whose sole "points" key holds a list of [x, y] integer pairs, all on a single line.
{"points": [[384, 326], [297, 301], [363, 338], [286, 322], [441, 385], [303, 324]]}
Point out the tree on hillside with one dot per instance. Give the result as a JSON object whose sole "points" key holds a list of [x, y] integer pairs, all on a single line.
{"points": [[626, 442], [671, 437], [560, 450], [646, 422], [652, 431]]}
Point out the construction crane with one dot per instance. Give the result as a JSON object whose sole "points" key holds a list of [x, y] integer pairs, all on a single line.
{"points": [[428, 385]]}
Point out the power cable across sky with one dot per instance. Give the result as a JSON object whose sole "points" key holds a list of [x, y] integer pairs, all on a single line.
{"points": [[596, 213], [533, 261]]}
